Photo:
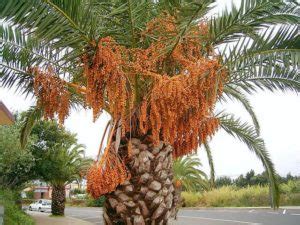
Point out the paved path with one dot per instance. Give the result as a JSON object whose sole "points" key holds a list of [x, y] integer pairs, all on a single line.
{"points": [[232, 216], [45, 219]]}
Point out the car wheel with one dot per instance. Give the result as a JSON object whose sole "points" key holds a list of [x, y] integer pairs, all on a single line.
{"points": [[40, 210], [30, 209]]}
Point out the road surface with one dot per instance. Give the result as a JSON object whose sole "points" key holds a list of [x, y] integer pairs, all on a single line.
{"points": [[285, 216]]}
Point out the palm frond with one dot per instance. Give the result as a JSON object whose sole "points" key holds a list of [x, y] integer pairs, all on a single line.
{"points": [[48, 19], [188, 174], [123, 20], [29, 119], [20, 52], [211, 164], [248, 135], [191, 12], [250, 17], [268, 62], [236, 93], [278, 78], [51, 22], [275, 47]]}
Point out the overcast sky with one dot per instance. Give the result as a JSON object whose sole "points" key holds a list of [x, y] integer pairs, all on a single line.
{"points": [[278, 114]]}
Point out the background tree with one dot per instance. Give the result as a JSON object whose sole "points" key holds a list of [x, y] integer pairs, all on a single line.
{"points": [[59, 160], [253, 179], [15, 163], [157, 67], [223, 181]]}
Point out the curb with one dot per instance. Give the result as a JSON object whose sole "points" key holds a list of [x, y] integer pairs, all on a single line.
{"points": [[217, 208]]}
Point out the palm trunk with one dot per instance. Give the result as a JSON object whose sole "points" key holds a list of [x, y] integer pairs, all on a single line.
{"points": [[58, 200], [178, 201], [148, 197]]}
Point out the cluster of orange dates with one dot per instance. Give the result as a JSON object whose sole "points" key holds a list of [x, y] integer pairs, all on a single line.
{"points": [[104, 178], [53, 95], [167, 90]]}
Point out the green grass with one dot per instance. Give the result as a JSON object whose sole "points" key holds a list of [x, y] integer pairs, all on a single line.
{"points": [[253, 196], [13, 215]]}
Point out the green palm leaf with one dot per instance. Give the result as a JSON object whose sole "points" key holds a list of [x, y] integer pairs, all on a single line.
{"points": [[236, 93], [248, 135], [270, 58], [249, 18], [211, 164], [187, 173]]}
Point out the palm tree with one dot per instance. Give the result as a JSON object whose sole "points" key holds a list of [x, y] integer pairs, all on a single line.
{"points": [[59, 159], [188, 175], [158, 67], [60, 166]]}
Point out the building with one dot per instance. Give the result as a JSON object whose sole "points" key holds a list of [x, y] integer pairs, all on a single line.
{"points": [[6, 117], [82, 185], [42, 190]]}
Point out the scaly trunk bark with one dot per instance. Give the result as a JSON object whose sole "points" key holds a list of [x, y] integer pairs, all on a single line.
{"points": [[178, 201], [58, 200], [148, 197]]}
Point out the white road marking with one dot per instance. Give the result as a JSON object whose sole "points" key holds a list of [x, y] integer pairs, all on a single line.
{"points": [[217, 210], [90, 217], [273, 212], [295, 214], [232, 221], [251, 211], [284, 211]]}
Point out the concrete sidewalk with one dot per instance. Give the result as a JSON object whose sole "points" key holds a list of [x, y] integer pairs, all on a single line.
{"points": [[45, 219]]}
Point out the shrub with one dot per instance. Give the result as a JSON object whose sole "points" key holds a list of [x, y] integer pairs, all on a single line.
{"points": [[29, 194], [13, 215], [290, 199], [292, 186], [190, 199], [99, 202], [77, 202], [27, 201], [232, 196], [77, 191]]}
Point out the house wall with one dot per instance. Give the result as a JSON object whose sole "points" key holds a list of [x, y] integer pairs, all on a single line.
{"points": [[45, 192]]}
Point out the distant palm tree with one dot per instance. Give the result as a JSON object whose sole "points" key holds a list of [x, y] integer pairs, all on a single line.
{"points": [[188, 175], [158, 68], [60, 166]]}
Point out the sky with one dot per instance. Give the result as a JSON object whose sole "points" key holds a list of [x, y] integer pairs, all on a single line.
{"points": [[278, 114]]}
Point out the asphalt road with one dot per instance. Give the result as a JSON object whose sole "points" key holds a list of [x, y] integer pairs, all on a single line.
{"points": [[285, 216]]}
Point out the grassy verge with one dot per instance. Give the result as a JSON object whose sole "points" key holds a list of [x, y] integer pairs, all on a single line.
{"points": [[88, 202], [230, 196], [13, 215]]}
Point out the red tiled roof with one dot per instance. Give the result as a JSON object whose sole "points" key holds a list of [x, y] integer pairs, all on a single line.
{"points": [[6, 116]]}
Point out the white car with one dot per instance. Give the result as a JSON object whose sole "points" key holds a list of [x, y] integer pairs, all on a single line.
{"points": [[41, 205]]}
